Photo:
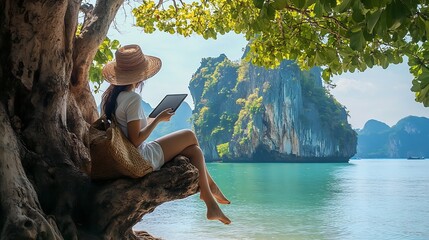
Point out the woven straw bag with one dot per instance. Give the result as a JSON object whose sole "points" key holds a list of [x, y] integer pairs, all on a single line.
{"points": [[112, 154]]}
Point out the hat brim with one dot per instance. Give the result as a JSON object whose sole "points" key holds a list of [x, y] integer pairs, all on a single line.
{"points": [[117, 77]]}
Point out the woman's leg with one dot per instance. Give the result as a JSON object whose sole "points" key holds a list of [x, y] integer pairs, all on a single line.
{"points": [[185, 143], [187, 138], [217, 193]]}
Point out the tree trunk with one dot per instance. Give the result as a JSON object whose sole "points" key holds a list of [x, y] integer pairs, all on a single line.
{"points": [[21, 214], [45, 191]]}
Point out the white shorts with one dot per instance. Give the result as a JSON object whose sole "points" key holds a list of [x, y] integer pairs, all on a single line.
{"points": [[152, 152]]}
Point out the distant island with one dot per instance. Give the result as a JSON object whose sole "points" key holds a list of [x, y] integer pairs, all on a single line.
{"points": [[409, 138]]}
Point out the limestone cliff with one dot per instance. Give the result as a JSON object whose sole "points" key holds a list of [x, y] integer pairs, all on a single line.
{"points": [[248, 113]]}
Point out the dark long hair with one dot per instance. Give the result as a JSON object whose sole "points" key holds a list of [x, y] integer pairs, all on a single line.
{"points": [[109, 99], [110, 96]]}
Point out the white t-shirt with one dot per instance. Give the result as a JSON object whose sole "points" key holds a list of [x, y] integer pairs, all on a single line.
{"points": [[128, 109]]}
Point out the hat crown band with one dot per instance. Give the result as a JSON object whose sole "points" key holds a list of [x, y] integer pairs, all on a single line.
{"points": [[130, 58]]}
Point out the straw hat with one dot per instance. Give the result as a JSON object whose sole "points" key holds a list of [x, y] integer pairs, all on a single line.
{"points": [[130, 66]]}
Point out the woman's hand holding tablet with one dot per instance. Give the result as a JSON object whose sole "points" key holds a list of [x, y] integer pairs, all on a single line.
{"points": [[172, 101]]}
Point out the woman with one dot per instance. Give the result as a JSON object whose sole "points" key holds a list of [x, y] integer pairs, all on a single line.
{"points": [[127, 73]]}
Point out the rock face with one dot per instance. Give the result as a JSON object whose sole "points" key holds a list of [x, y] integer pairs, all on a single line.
{"points": [[248, 113], [408, 138]]}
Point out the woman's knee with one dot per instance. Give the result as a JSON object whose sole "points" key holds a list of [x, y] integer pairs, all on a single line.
{"points": [[190, 136], [194, 152]]}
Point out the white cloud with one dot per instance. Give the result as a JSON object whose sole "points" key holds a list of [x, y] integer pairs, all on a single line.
{"points": [[346, 85]]}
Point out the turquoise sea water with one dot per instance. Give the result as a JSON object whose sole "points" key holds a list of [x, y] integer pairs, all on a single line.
{"points": [[363, 199]]}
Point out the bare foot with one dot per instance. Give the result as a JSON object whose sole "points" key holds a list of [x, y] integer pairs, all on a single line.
{"points": [[215, 213], [217, 193]]}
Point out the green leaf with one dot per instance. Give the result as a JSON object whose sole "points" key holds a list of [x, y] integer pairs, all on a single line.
{"points": [[102, 56], [369, 60], [380, 26], [319, 59], [328, 5], [424, 78], [115, 44], [384, 62], [279, 4], [397, 58], [267, 13], [416, 86], [299, 3], [271, 12], [423, 95], [308, 3], [326, 74], [258, 24], [417, 30], [258, 3], [357, 15], [369, 4], [396, 13], [362, 66], [318, 9], [372, 20], [330, 54], [357, 41], [412, 61], [368, 36], [412, 4], [427, 29], [344, 6]]}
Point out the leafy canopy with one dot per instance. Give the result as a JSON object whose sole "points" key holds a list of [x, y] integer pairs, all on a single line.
{"points": [[339, 35]]}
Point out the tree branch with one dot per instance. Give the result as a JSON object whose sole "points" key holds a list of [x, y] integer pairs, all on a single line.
{"points": [[160, 2], [310, 21], [118, 205], [94, 30]]}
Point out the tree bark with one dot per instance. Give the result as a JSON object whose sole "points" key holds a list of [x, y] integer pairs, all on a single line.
{"points": [[44, 163], [21, 213]]}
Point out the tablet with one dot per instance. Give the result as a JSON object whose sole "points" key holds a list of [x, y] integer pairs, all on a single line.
{"points": [[170, 101]]}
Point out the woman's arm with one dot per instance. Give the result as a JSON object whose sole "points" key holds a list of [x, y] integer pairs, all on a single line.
{"points": [[136, 136], [149, 120]]}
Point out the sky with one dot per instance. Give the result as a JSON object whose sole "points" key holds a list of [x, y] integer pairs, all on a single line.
{"points": [[381, 94]]}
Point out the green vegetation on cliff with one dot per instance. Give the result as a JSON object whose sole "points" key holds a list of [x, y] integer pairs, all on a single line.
{"points": [[210, 120], [249, 107], [220, 78]]}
